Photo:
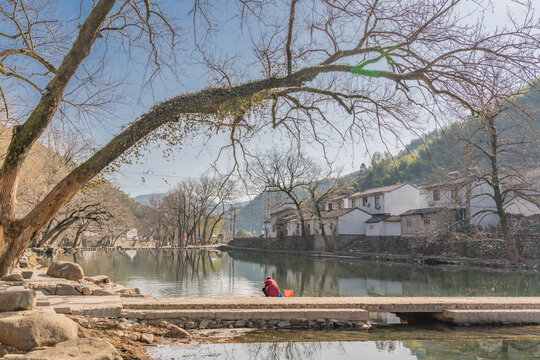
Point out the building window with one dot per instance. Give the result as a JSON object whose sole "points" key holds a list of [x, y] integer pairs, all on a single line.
{"points": [[453, 194], [365, 201], [377, 201], [353, 203], [331, 226], [372, 226], [408, 222], [436, 195], [426, 221], [330, 206], [308, 227]]}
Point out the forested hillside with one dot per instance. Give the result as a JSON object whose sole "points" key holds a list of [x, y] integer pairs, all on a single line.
{"points": [[100, 210]]}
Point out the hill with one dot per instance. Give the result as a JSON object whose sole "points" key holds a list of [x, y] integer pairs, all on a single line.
{"points": [[100, 209]]}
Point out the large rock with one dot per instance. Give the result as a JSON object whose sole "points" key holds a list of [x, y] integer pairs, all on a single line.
{"points": [[29, 329], [66, 289], [66, 270], [12, 277], [99, 279], [12, 300], [82, 349]]}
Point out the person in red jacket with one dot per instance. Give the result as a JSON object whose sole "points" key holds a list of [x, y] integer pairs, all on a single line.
{"points": [[271, 287]]}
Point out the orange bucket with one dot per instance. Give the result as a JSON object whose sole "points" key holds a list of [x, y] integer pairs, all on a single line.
{"points": [[288, 293]]}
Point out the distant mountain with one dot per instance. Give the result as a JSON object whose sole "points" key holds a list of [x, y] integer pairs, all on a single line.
{"points": [[145, 198]]}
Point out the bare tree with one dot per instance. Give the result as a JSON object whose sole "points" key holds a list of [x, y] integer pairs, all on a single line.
{"points": [[504, 139], [193, 209], [285, 173], [385, 64]]}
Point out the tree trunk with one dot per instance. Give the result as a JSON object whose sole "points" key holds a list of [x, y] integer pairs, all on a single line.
{"points": [[12, 248], [511, 247]]}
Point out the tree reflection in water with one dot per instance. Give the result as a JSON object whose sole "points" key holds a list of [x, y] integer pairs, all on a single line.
{"points": [[373, 350], [198, 272]]}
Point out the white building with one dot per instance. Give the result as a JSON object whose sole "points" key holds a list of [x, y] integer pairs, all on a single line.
{"points": [[276, 224], [383, 204], [345, 222], [383, 225], [392, 199], [472, 199]]}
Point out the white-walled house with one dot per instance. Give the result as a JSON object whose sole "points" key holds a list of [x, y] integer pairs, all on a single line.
{"points": [[345, 222], [276, 224], [339, 202], [392, 199], [472, 200]]}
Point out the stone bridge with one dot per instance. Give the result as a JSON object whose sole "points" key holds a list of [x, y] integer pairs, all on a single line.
{"points": [[455, 310]]}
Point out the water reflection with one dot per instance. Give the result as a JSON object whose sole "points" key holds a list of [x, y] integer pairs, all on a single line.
{"points": [[241, 273], [388, 350]]}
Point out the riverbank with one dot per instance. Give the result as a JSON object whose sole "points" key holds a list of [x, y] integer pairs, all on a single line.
{"points": [[132, 320], [394, 258]]}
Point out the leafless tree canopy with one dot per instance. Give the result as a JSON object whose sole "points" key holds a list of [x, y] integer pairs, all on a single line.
{"points": [[384, 64], [193, 209]]}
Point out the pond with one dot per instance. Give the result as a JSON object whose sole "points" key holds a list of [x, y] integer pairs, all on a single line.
{"points": [[213, 273]]}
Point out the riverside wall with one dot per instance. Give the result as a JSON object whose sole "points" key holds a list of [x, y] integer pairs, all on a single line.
{"points": [[449, 246]]}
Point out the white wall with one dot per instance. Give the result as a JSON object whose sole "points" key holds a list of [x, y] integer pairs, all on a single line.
{"points": [[371, 201], [269, 229], [374, 229], [522, 207], [405, 198], [353, 223], [392, 228]]}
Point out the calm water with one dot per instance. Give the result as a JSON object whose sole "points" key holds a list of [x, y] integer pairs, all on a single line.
{"points": [[372, 350], [235, 273], [437, 342], [199, 273]]}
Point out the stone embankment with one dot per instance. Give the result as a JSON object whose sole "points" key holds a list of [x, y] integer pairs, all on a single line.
{"points": [[456, 250]]}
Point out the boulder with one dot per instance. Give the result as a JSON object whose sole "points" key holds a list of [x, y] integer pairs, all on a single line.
{"points": [[177, 331], [12, 277], [65, 289], [98, 279], [81, 349], [103, 292], [130, 291], [23, 263], [147, 338], [29, 329], [12, 300], [86, 290], [27, 274], [66, 270]]}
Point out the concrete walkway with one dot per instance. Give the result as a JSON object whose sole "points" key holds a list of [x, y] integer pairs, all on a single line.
{"points": [[459, 310]]}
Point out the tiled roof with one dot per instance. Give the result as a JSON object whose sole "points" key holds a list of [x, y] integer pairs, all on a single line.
{"points": [[378, 190], [450, 183], [422, 211], [378, 218], [339, 212]]}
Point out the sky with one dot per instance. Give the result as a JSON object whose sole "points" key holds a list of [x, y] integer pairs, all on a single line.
{"points": [[155, 173]]}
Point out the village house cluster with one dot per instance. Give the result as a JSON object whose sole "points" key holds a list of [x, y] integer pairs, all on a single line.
{"points": [[400, 210]]}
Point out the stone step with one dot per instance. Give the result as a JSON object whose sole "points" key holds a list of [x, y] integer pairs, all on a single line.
{"points": [[42, 300], [249, 314], [482, 317]]}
